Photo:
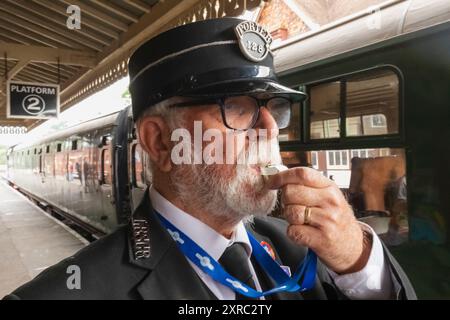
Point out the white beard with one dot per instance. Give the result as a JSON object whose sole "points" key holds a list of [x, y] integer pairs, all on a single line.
{"points": [[229, 191]]}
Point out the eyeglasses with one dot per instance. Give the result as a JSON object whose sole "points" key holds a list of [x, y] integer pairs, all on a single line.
{"points": [[242, 112]]}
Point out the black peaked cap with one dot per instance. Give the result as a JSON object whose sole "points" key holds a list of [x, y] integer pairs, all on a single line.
{"points": [[200, 59]]}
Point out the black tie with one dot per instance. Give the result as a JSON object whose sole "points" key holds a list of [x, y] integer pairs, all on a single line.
{"points": [[235, 261]]}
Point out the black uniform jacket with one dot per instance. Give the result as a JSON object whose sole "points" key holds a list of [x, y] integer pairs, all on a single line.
{"points": [[109, 269]]}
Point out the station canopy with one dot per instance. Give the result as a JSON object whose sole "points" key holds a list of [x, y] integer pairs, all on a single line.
{"points": [[40, 40]]}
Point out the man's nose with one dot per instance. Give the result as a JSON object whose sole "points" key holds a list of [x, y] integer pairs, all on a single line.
{"points": [[267, 122]]}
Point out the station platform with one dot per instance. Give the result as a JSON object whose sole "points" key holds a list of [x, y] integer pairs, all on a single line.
{"points": [[30, 239]]}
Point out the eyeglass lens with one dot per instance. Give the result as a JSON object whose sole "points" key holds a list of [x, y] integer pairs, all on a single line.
{"points": [[241, 112]]}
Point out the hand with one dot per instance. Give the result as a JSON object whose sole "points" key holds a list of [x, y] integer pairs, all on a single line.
{"points": [[333, 231]]}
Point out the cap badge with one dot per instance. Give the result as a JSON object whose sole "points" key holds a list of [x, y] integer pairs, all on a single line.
{"points": [[254, 40]]}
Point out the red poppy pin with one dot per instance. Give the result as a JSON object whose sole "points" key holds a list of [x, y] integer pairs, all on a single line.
{"points": [[268, 248]]}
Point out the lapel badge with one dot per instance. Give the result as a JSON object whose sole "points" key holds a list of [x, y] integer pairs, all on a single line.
{"points": [[141, 239], [268, 248], [254, 40]]}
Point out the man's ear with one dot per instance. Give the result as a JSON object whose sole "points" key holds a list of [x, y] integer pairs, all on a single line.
{"points": [[154, 138]]}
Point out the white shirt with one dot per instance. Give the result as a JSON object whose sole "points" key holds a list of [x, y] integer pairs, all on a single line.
{"points": [[372, 282]]}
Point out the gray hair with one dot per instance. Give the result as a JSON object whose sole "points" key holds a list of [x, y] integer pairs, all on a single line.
{"points": [[174, 117]]}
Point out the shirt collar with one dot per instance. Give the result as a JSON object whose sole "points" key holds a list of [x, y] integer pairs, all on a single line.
{"points": [[203, 235]]}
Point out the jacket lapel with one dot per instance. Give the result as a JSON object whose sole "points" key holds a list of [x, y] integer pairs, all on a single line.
{"points": [[173, 279], [170, 275]]}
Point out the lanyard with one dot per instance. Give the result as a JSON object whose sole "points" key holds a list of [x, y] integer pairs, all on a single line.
{"points": [[307, 270]]}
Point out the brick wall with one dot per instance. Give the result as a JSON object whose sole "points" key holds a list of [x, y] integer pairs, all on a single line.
{"points": [[277, 15]]}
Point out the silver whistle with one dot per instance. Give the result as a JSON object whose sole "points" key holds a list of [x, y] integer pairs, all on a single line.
{"points": [[273, 169]]}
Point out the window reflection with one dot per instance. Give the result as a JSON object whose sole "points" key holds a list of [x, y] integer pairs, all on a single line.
{"points": [[292, 132], [106, 166], [372, 105], [138, 166], [325, 110]]}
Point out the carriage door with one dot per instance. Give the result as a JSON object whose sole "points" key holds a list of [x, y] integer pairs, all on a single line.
{"points": [[41, 166], [105, 179]]}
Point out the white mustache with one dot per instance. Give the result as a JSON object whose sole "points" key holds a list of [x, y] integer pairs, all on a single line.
{"points": [[261, 153]]}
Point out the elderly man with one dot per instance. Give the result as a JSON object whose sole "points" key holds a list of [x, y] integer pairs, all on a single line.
{"points": [[202, 230]]}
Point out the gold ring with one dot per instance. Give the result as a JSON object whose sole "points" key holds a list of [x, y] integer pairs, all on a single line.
{"points": [[306, 217]]}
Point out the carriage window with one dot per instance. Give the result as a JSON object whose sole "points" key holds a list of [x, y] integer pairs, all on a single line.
{"points": [[372, 106], [293, 131], [325, 110], [106, 167], [74, 144], [138, 166], [58, 147], [47, 149]]}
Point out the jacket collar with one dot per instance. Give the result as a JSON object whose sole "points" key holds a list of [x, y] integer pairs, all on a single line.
{"points": [[151, 247]]}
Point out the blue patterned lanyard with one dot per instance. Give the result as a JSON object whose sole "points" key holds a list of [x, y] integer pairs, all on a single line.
{"points": [[307, 270]]}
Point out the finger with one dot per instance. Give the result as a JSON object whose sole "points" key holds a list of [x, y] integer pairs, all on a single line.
{"points": [[295, 215], [299, 175], [305, 235], [301, 195], [330, 198]]}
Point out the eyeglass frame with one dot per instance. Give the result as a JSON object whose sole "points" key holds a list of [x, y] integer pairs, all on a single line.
{"points": [[220, 101]]}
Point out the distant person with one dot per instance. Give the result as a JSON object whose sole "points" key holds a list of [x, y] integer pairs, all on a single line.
{"points": [[87, 175], [399, 209], [402, 191], [78, 169]]}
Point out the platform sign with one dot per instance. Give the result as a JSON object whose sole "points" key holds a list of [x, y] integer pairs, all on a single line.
{"points": [[28, 100]]}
